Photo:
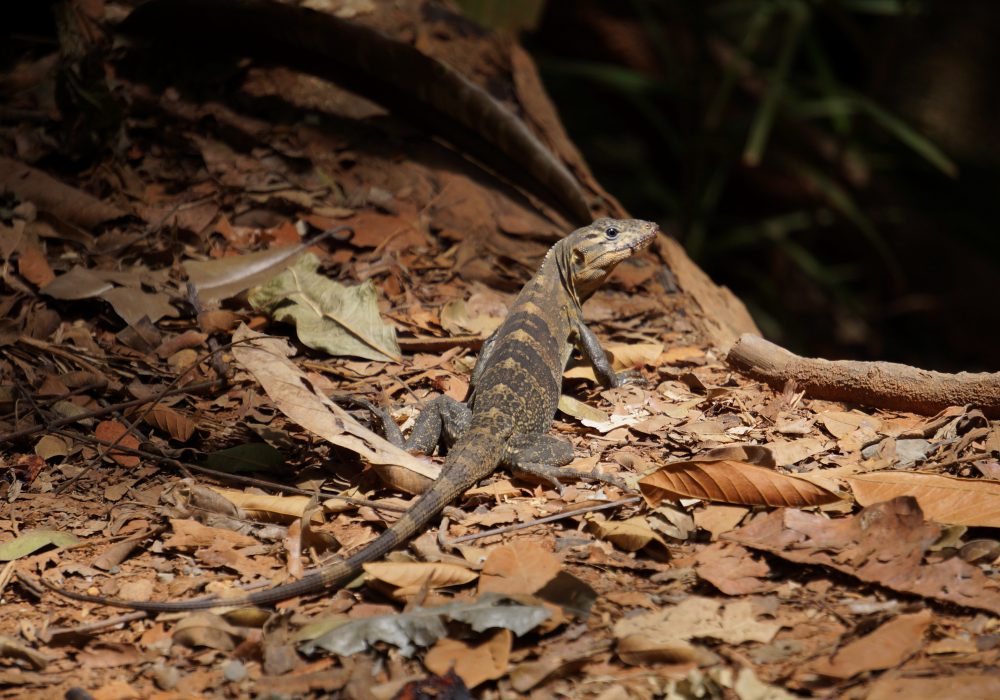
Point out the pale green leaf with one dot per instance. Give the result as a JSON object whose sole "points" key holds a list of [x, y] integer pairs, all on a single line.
{"points": [[327, 315], [31, 541]]}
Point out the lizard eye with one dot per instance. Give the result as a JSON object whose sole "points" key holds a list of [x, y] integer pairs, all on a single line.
{"points": [[611, 233]]}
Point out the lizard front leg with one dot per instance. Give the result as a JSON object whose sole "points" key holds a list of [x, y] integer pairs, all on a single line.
{"points": [[591, 348]]}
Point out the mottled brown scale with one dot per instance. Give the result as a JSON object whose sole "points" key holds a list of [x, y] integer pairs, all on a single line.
{"points": [[516, 382]]}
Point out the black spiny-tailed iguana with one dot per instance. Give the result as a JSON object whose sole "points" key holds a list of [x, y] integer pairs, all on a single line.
{"points": [[516, 386]]}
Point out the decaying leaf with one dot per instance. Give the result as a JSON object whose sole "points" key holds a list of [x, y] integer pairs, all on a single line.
{"points": [[727, 481], [267, 359], [327, 315], [226, 277], [631, 535], [111, 431], [730, 568], [414, 576], [887, 647], [885, 544], [173, 422], [522, 566], [673, 628], [474, 663], [943, 499], [422, 627]]}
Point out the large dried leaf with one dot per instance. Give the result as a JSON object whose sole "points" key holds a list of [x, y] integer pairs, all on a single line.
{"points": [[884, 544], [78, 283], [171, 421], [727, 481], [474, 663], [267, 360], [419, 575], [226, 277], [887, 647], [943, 499], [327, 315], [132, 304]]}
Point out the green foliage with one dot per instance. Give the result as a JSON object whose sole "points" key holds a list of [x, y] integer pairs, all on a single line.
{"points": [[746, 125]]}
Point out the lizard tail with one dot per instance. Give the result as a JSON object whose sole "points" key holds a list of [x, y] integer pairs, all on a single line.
{"points": [[476, 455]]}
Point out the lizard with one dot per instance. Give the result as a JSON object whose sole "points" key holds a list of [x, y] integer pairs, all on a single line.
{"points": [[515, 388]]}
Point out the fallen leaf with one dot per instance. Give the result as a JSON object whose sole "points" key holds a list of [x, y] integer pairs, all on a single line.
{"points": [[111, 431], [731, 568], [267, 359], [33, 266], [888, 646], [419, 575], [727, 481], [173, 422], [474, 663], [523, 566], [223, 278], [965, 686], [422, 627], [885, 544], [31, 541], [630, 535], [697, 617], [78, 283], [133, 304], [717, 518], [633, 355], [943, 499], [327, 315]]}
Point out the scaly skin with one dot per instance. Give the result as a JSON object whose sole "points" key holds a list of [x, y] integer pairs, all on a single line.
{"points": [[517, 383]]}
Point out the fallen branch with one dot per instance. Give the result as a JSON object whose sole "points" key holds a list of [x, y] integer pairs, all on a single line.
{"points": [[878, 384]]}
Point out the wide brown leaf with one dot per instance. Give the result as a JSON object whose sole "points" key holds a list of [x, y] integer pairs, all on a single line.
{"points": [[943, 499], [727, 481]]}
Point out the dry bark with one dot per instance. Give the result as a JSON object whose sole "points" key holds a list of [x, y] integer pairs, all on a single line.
{"points": [[878, 384]]}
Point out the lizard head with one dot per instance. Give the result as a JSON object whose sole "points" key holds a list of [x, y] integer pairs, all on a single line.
{"points": [[592, 252]]}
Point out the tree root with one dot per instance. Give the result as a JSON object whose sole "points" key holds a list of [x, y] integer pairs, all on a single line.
{"points": [[878, 384]]}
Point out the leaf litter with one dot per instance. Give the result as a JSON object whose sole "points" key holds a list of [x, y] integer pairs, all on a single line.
{"points": [[787, 545]]}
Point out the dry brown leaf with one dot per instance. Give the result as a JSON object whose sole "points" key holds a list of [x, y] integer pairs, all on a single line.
{"points": [[887, 647], [727, 481], [290, 506], [943, 499], [523, 566], [113, 431], [172, 422], [631, 535], [474, 663], [267, 359], [840, 424], [33, 266], [696, 617], [419, 575], [632, 355], [884, 543], [717, 518], [730, 568]]}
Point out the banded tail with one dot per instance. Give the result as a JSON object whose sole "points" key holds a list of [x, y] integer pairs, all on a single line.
{"points": [[475, 455]]}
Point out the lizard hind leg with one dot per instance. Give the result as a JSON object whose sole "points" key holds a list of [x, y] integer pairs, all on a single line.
{"points": [[545, 458]]}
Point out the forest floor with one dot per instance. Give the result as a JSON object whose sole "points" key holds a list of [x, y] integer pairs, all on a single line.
{"points": [[769, 546]]}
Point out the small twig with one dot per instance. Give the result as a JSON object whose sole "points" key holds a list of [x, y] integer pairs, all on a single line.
{"points": [[97, 626], [105, 410], [541, 521]]}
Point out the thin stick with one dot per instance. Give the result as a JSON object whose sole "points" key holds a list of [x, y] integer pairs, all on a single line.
{"points": [[541, 521]]}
